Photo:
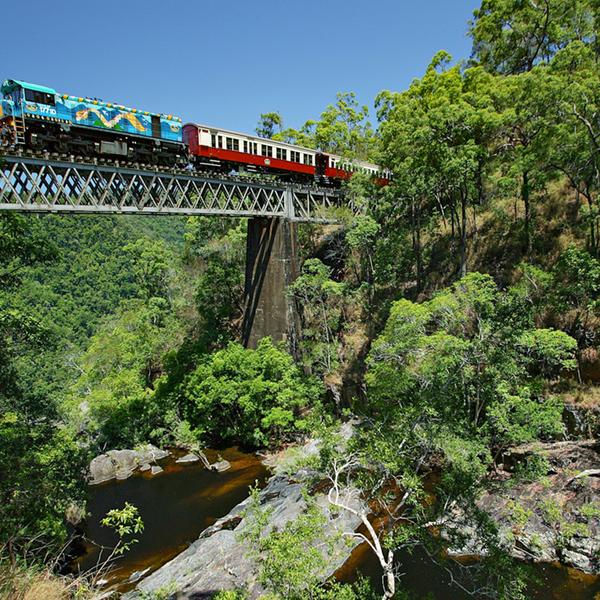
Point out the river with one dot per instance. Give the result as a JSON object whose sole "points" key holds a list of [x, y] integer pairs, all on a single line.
{"points": [[175, 506], [179, 503]]}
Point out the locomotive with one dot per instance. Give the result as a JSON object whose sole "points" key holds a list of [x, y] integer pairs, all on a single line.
{"points": [[38, 119]]}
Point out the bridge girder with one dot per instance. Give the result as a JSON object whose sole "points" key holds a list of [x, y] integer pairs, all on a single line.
{"points": [[30, 184]]}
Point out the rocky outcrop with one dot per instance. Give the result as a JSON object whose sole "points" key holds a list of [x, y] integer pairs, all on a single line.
{"points": [[556, 517], [188, 459], [120, 464], [582, 421], [219, 559]]}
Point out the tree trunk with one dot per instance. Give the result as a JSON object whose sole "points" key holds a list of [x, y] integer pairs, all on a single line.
{"points": [[525, 189], [417, 249], [389, 581], [593, 236], [463, 234]]}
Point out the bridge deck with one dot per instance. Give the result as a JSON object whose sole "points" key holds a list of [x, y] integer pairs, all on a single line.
{"points": [[29, 184]]}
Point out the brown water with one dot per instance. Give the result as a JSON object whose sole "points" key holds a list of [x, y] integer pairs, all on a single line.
{"points": [[179, 503], [424, 578], [175, 506]]}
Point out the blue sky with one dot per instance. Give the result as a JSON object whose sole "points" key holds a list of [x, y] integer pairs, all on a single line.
{"points": [[224, 62]]}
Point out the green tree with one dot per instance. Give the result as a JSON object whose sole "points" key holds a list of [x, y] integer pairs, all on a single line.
{"points": [[269, 125], [113, 399], [293, 560], [512, 36], [456, 357], [247, 396], [219, 294], [151, 266], [361, 237], [320, 301], [41, 466], [343, 128], [435, 138]]}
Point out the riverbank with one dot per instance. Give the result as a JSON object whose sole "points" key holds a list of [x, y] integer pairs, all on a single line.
{"points": [[175, 505], [216, 558], [553, 518]]}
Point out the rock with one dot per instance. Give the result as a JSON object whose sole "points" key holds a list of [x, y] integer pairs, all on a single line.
{"points": [[553, 519], [580, 561], [188, 459], [145, 467], [137, 575], [101, 469], [125, 461], [220, 466], [286, 461], [218, 559], [121, 464], [155, 470], [150, 454]]}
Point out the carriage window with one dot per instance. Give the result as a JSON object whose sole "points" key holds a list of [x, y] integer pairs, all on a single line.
{"points": [[266, 150], [294, 156], [281, 153], [308, 159], [39, 97], [213, 140], [232, 144], [246, 146], [220, 140]]}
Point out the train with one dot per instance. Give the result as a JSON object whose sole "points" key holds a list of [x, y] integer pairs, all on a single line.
{"points": [[36, 118]]}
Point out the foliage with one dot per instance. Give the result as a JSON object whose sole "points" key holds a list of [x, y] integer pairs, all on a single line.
{"points": [[126, 523], [151, 266], [219, 288], [113, 398], [292, 560], [319, 299], [247, 396], [269, 124], [510, 36], [456, 357], [435, 138], [343, 128], [41, 466]]}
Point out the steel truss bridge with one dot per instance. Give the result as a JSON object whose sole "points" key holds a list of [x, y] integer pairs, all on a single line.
{"points": [[33, 184]]}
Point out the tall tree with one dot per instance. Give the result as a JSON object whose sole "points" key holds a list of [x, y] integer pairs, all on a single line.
{"points": [[435, 137], [269, 124], [512, 36]]}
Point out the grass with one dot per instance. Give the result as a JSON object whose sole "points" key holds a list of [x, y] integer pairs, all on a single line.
{"points": [[26, 582]]}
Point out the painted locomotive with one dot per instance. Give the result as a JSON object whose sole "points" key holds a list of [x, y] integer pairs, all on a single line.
{"points": [[36, 118]]}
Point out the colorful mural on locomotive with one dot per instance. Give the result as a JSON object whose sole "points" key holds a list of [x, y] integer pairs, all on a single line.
{"points": [[28, 100]]}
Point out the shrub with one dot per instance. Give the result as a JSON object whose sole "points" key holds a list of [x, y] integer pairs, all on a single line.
{"points": [[247, 396]]}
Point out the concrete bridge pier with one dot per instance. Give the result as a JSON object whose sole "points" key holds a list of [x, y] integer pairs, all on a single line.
{"points": [[271, 265]]}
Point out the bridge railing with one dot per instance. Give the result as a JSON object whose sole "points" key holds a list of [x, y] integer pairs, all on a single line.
{"points": [[29, 184]]}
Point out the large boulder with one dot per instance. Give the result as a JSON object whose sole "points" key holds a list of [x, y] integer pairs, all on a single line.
{"points": [[121, 464], [219, 559]]}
